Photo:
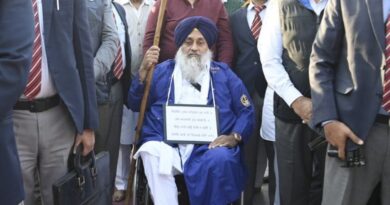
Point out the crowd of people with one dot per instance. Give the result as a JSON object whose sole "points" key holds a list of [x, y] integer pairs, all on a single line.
{"points": [[298, 86]]}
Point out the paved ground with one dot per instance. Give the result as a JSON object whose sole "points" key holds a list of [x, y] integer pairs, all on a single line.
{"points": [[261, 198]]}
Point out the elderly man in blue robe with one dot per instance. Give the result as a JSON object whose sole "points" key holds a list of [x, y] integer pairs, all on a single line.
{"points": [[214, 173]]}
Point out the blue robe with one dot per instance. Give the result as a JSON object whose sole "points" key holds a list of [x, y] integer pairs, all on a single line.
{"points": [[215, 176]]}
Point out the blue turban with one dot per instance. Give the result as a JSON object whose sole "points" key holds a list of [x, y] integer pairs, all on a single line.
{"points": [[204, 25]]}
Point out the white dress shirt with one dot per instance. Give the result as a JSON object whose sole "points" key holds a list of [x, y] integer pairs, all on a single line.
{"points": [[386, 9], [267, 128], [318, 7], [270, 49], [121, 33], [47, 86], [251, 12]]}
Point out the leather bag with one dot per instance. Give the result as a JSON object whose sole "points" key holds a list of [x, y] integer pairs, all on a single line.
{"points": [[88, 183]]}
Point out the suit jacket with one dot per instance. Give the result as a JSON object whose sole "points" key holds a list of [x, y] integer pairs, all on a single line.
{"points": [[247, 63], [346, 63], [16, 40], [126, 78], [105, 43], [70, 59]]}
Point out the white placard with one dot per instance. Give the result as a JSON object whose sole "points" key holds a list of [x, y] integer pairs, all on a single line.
{"points": [[190, 124]]}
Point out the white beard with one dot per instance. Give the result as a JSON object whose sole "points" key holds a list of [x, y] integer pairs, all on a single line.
{"points": [[192, 65]]}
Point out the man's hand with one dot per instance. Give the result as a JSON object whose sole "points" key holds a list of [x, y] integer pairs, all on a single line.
{"points": [[303, 108], [337, 133], [150, 59], [224, 141], [87, 138]]}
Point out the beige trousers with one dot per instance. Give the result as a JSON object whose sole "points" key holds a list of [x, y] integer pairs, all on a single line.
{"points": [[44, 141]]}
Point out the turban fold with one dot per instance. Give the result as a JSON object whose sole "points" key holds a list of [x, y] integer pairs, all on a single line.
{"points": [[204, 25]]}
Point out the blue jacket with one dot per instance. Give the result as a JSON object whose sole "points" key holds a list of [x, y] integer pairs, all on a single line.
{"points": [[233, 115], [16, 40], [70, 59]]}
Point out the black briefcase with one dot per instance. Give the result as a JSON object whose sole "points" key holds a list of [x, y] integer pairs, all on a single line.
{"points": [[88, 182]]}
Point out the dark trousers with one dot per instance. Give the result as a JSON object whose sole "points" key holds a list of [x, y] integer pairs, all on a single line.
{"points": [[269, 149], [301, 171], [107, 136], [256, 153]]}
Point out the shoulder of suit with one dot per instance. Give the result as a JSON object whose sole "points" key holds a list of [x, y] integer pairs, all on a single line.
{"points": [[238, 12], [116, 4]]}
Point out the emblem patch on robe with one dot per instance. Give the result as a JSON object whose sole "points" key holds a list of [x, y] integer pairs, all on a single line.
{"points": [[245, 101], [214, 69]]}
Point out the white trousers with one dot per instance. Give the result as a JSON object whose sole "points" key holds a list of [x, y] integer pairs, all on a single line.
{"points": [[162, 187], [161, 162], [123, 166], [129, 122]]}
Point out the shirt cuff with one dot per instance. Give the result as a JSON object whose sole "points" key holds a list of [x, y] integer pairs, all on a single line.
{"points": [[326, 122], [290, 95]]}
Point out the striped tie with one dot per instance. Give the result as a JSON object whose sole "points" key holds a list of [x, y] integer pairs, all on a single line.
{"points": [[118, 63], [34, 79], [256, 24], [386, 85]]}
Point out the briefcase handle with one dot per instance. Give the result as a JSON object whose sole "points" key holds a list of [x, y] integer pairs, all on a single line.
{"points": [[81, 163]]}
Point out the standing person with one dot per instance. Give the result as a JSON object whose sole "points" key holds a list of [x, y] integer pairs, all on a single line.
{"points": [[105, 46], [137, 12], [267, 133], [15, 63], [349, 79], [123, 53], [58, 106], [214, 172], [125, 50], [176, 11], [248, 68], [285, 46]]}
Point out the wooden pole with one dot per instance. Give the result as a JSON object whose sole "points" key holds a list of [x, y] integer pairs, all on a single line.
{"points": [[156, 42]]}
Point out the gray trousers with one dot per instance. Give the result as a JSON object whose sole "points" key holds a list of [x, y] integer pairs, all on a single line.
{"points": [[354, 186], [110, 122], [44, 142], [301, 171]]}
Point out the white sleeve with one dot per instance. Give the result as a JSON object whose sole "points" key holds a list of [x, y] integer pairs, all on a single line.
{"points": [[270, 49]]}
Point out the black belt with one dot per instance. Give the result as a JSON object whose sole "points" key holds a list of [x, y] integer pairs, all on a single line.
{"points": [[383, 119], [38, 105]]}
